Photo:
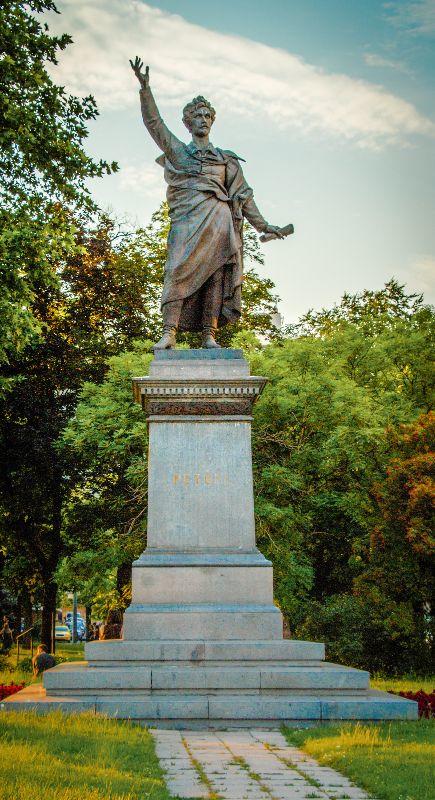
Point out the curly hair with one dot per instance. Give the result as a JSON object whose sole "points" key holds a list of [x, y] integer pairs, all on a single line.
{"points": [[191, 107]]}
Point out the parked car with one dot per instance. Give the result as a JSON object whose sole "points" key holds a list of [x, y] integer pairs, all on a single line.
{"points": [[62, 633], [81, 628], [69, 616]]}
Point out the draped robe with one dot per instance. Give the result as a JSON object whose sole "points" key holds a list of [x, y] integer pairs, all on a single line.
{"points": [[208, 197]]}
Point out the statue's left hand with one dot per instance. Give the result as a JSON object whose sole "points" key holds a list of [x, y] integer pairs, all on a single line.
{"points": [[274, 232]]}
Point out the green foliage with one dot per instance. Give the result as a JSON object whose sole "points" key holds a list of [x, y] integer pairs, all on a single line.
{"points": [[397, 581], [80, 327], [368, 631], [26, 665], [370, 310], [326, 429], [43, 168], [43, 128], [105, 515]]}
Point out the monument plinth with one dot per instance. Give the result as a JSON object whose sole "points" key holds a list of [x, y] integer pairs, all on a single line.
{"points": [[202, 639], [201, 576]]}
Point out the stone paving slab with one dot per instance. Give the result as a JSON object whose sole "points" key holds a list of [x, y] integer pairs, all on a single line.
{"points": [[246, 765]]}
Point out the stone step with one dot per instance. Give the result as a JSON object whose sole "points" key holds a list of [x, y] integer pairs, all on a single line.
{"points": [[228, 710], [201, 620], [117, 652], [78, 677], [202, 583]]}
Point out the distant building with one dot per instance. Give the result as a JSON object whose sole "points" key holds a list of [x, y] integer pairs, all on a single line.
{"points": [[277, 319]]}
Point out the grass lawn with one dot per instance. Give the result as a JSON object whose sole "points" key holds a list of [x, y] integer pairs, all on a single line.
{"points": [[404, 683], [91, 758], [76, 758], [391, 760]]}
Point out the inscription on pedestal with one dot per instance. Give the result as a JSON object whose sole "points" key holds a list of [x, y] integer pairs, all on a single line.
{"points": [[199, 479]]}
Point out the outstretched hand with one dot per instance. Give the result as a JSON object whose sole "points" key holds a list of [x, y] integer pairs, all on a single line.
{"points": [[143, 77], [274, 232]]}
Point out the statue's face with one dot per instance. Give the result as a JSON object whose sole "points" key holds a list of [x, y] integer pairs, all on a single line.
{"points": [[201, 121]]}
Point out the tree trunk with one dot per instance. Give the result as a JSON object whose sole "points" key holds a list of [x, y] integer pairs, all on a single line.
{"points": [[88, 612], [27, 612], [113, 624], [48, 613], [16, 622], [123, 583]]}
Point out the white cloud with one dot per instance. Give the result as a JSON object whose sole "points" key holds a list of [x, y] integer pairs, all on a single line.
{"points": [[422, 275], [417, 17], [375, 60], [145, 180], [240, 76]]}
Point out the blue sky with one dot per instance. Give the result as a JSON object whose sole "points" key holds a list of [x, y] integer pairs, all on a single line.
{"points": [[331, 103]]}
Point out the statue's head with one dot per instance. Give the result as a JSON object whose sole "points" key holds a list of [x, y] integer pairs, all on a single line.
{"points": [[198, 116]]}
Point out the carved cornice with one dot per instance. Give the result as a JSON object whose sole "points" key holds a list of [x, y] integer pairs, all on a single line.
{"points": [[214, 396]]}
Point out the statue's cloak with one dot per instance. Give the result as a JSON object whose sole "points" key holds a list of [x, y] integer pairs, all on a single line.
{"points": [[206, 196]]}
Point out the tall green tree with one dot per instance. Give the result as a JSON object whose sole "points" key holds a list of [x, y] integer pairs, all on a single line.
{"points": [[107, 442], [371, 310], [43, 166], [398, 572], [80, 327], [322, 445]]}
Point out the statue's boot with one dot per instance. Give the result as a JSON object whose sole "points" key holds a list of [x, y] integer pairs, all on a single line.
{"points": [[208, 337], [168, 340]]}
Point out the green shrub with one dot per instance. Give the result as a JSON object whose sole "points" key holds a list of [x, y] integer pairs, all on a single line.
{"points": [[371, 632], [26, 664]]}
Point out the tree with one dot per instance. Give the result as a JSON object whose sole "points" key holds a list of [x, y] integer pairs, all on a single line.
{"points": [[399, 563], [80, 327], [43, 166], [370, 310], [107, 440], [322, 444]]}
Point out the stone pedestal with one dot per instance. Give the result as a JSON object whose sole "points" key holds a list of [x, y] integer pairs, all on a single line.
{"points": [[202, 639], [201, 576]]}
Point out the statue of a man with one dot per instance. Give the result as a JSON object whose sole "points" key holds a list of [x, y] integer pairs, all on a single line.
{"points": [[208, 197]]}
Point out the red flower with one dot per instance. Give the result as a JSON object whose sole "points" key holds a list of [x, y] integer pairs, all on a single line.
{"points": [[11, 688], [426, 702]]}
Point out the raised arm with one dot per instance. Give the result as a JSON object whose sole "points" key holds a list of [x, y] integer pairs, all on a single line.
{"points": [[150, 113]]}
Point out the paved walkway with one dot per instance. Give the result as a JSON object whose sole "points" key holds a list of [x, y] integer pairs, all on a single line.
{"points": [[251, 764]]}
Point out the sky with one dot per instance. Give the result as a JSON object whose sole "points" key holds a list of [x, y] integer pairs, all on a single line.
{"points": [[330, 102]]}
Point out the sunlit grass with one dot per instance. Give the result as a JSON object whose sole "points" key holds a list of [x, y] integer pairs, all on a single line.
{"points": [[403, 683], [391, 760], [78, 757]]}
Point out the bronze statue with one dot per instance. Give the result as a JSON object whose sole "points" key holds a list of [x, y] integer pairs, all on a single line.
{"points": [[208, 198]]}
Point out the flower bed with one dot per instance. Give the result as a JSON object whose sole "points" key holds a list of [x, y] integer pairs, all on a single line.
{"points": [[12, 688], [426, 702]]}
